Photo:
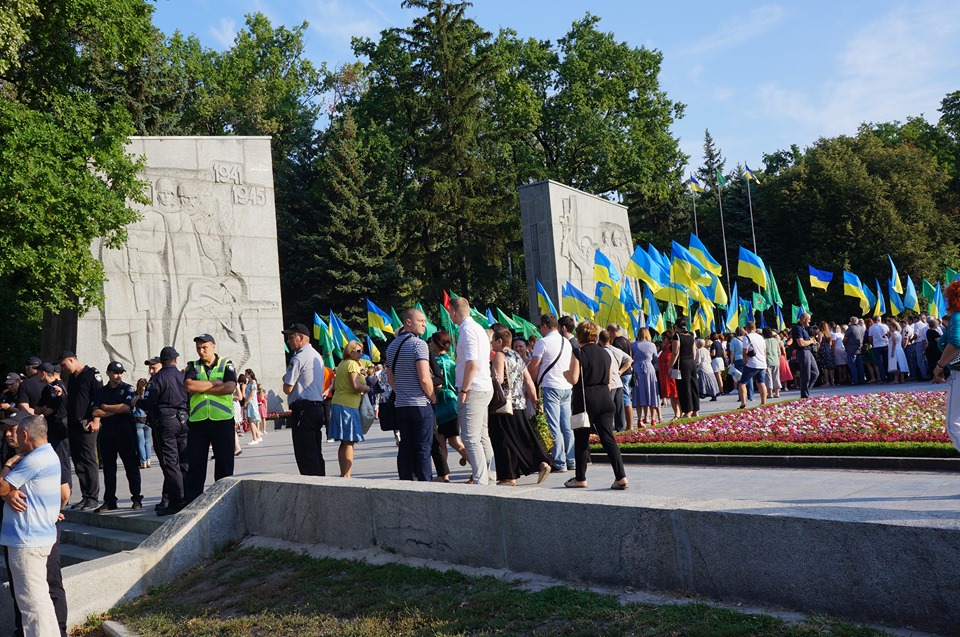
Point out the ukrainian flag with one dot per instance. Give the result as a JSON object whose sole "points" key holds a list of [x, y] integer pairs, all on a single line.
{"points": [[750, 266], [733, 311], [644, 268], [317, 326], [673, 294], [577, 303], [703, 255], [750, 174], [694, 184], [689, 263], [544, 304], [896, 303], [780, 324], [655, 319], [378, 321], [895, 277], [853, 287], [819, 278], [627, 298], [881, 306], [372, 351], [345, 333], [605, 272], [940, 302], [910, 300], [715, 291]]}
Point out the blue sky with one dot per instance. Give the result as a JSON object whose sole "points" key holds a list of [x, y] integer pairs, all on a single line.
{"points": [[760, 76]]}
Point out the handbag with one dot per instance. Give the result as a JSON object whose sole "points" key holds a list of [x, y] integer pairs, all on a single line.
{"points": [[366, 414], [675, 370], [507, 408], [388, 409], [578, 421], [499, 399]]}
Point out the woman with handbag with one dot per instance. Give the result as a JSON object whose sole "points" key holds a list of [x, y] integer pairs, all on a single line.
{"points": [[444, 371], [348, 389], [516, 446], [684, 369], [668, 384], [592, 406]]}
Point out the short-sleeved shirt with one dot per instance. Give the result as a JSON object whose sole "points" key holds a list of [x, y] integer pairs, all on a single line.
{"points": [[951, 336], [616, 359], [407, 350], [30, 389], [122, 394], [473, 344], [38, 476], [344, 392], [305, 372], [799, 333], [547, 350], [879, 335], [229, 371], [80, 390], [736, 349], [716, 350], [759, 347], [853, 339]]}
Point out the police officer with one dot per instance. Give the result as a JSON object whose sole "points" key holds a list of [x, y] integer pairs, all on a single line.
{"points": [[8, 399], [153, 366], [29, 392], [112, 412], [303, 383], [83, 382], [165, 401], [210, 381], [53, 407]]}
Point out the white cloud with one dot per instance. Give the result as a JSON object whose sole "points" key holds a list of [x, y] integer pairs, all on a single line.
{"points": [[899, 65], [340, 21], [695, 72], [738, 29], [723, 94], [224, 33]]}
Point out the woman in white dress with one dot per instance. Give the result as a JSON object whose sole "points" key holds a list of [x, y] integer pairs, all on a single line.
{"points": [[898, 359]]}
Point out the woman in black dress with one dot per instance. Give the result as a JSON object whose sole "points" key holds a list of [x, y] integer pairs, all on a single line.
{"points": [[685, 349], [590, 374]]}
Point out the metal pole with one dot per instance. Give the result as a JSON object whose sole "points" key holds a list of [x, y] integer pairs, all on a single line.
{"points": [[693, 197], [723, 235], [750, 206]]}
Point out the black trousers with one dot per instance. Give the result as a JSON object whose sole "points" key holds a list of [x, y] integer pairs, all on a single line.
{"points": [[201, 435], [439, 458], [601, 422], [306, 431], [619, 415], [687, 390], [120, 440], [55, 584], [83, 451], [171, 445]]}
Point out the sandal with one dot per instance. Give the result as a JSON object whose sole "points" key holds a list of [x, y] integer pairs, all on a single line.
{"points": [[544, 472], [616, 486], [507, 483], [573, 484], [470, 481]]}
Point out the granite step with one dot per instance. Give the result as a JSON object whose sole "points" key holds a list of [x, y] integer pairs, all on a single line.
{"points": [[71, 554], [143, 521], [99, 538]]}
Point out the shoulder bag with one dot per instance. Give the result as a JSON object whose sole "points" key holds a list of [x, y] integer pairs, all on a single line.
{"points": [[388, 409], [578, 421], [366, 413], [507, 407], [675, 369], [541, 375], [499, 398]]}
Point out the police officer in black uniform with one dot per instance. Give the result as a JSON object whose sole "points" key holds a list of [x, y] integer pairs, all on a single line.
{"points": [[30, 388], [113, 415], [53, 407], [8, 399], [165, 401], [83, 382]]}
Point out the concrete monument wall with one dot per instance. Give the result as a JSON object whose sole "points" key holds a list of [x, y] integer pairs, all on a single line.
{"points": [[203, 258], [562, 229]]}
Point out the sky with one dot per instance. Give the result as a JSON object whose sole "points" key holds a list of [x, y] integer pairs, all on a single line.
{"points": [[760, 76]]}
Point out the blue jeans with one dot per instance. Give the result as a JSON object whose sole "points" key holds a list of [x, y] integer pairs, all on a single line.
{"points": [[855, 363], [556, 406], [740, 366], [416, 440], [882, 356], [143, 442]]}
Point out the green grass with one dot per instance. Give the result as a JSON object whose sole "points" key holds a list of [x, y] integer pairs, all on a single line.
{"points": [[775, 448], [270, 592]]}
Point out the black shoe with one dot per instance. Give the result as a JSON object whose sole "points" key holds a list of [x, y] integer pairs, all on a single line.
{"points": [[170, 510], [105, 507], [79, 505], [137, 505], [163, 504], [89, 503]]}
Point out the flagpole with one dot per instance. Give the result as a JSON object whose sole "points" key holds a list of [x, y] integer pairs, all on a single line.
{"points": [[723, 235], [693, 197], [750, 206]]}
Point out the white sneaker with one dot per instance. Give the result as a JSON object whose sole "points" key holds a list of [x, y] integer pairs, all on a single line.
{"points": [[253, 442]]}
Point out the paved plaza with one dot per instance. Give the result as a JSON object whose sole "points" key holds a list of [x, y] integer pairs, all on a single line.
{"points": [[896, 497]]}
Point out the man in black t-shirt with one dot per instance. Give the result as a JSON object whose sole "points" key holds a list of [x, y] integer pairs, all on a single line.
{"points": [[806, 363], [29, 392], [110, 408], [8, 399], [53, 407], [83, 382]]}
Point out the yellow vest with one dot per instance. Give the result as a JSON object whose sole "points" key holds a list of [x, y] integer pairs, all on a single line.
{"points": [[208, 406]]}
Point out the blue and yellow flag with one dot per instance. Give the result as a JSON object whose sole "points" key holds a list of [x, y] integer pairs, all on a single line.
{"points": [[694, 184], [871, 297], [940, 302], [379, 322], [317, 326], [780, 324], [751, 266], [910, 299], [605, 272], [733, 311], [881, 305], [544, 304], [372, 351], [691, 264], [819, 278], [655, 320], [703, 256], [853, 287], [575, 302], [715, 292], [895, 277], [673, 294], [749, 173], [644, 268], [896, 303]]}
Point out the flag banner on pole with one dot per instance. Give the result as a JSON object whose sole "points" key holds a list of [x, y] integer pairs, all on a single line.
{"points": [[910, 300], [379, 322], [694, 184], [703, 255], [819, 278], [751, 266], [544, 304], [577, 303], [749, 173], [895, 277], [853, 287]]}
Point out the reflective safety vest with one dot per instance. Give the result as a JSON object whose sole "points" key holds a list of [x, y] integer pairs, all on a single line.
{"points": [[208, 406]]}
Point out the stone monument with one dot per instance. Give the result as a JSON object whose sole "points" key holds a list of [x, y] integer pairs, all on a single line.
{"points": [[562, 229], [202, 258]]}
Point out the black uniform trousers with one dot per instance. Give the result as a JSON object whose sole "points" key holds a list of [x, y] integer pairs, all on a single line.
{"points": [[120, 439], [201, 435], [83, 452], [54, 583], [171, 445], [306, 430]]}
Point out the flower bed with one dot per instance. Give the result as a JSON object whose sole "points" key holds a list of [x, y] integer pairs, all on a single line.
{"points": [[899, 417]]}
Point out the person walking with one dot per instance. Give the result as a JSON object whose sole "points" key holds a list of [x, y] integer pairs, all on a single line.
{"points": [[112, 412], [210, 380], [476, 390], [548, 362], [165, 401], [755, 365], [803, 345], [304, 384]]}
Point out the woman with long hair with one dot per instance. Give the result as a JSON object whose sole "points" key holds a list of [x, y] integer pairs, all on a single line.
{"points": [[646, 390], [668, 385], [717, 354], [251, 410], [897, 359], [825, 353], [444, 371], [516, 446], [348, 389], [143, 429], [684, 358], [774, 350], [590, 374], [949, 345]]}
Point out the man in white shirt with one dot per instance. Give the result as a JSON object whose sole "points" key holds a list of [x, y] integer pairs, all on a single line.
{"points": [[550, 358], [920, 338], [475, 388], [879, 334], [754, 365]]}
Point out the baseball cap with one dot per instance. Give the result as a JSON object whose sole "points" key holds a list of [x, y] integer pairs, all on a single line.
{"points": [[116, 367], [11, 378], [48, 368], [15, 418], [64, 354], [33, 361], [296, 328], [205, 338], [152, 361], [168, 354]]}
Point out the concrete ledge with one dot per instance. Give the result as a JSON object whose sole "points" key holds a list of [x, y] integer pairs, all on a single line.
{"points": [[890, 463]]}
